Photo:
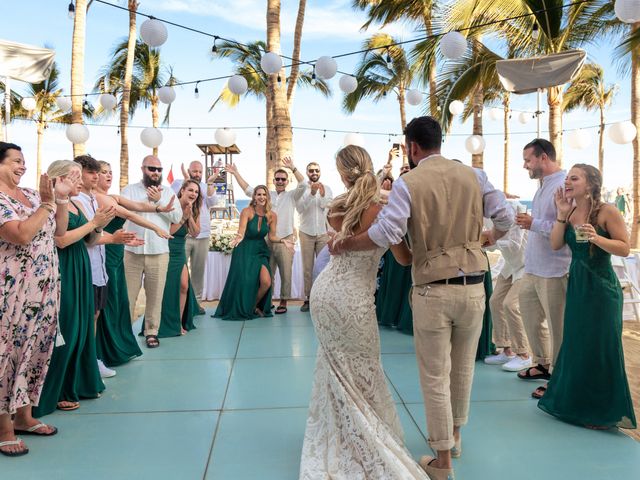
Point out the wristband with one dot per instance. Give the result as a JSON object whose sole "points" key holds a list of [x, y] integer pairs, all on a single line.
{"points": [[48, 206], [157, 209], [62, 201], [560, 221], [294, 170]]}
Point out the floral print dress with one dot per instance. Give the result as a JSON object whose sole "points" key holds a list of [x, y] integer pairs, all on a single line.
{"points": [[29, 295]]}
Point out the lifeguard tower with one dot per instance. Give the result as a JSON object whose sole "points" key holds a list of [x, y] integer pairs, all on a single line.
{"points": [[216, 157]]}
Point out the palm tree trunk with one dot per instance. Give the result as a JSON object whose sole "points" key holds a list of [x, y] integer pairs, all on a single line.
{"points": [[297, 40], [126, 96], [403, 113], [554, 100], [281, 121], [155, 114], [270, 144], [431, 66], [77, 68], [477, 159], [635, 119], [506, 105], [601, 144], [40, 130]]}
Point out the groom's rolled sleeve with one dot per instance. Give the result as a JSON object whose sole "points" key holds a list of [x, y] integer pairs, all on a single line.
{"points": [[391, 224]]}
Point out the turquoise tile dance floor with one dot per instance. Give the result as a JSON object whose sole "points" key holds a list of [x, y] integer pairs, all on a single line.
{"points": [[229, 402]]}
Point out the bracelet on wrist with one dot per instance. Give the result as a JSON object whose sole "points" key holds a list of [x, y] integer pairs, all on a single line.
{"points": [[62, 201], [98, 229], [559, 220], [50, 207], [294, 170]]}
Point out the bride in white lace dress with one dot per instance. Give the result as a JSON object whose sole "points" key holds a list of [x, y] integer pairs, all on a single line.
{"points": [[353, 430]]}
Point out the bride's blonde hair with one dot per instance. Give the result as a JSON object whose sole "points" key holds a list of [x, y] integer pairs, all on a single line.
{"points": [[355, 166]]}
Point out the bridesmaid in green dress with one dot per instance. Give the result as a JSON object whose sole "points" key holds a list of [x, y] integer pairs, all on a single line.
{"points": [[392, 297], [73, 372], [247, 290], [115, 342], [179, 303], [589, 385]]}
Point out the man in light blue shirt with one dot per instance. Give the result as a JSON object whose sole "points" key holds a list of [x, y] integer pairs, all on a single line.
{"points": [[544, 286]]}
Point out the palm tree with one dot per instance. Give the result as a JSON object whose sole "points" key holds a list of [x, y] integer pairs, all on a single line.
{"points": [[376, 78], [148, 76], [589, 91], [560, 29], [125, 98], [15, 109], [418, 12], [77, 67]]}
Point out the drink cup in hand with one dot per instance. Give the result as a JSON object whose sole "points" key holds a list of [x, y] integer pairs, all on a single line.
{"points": [[581, 235], [521, 209]]}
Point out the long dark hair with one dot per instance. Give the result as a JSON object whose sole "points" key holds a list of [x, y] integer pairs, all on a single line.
{"points": [[195, 207], [4, 149]]}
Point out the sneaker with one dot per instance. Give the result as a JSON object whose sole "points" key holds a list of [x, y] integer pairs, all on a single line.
{"points": [[304, 307], [517, 363], [499, 359], [105, 372]]}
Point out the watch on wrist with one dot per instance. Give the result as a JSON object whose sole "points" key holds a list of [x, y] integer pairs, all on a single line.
{"points": [[97, 230]]}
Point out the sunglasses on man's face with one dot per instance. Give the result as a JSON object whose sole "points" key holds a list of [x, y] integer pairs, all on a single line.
{"points": [[154, 169], [313, 170], [280, 179]]}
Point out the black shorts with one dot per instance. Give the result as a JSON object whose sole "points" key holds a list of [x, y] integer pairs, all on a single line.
{"points": [[100, 295]]}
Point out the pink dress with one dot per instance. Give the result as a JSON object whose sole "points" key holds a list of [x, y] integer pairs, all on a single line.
{"points": [[29, 295]]}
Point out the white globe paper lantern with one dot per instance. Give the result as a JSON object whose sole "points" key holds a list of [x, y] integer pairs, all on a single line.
{"points": [[237, 84], [622, 132], [153, 32], [108, 101], [578, 139], [453, 45], [456, 107], [414, 97], [474, 144], [495, 113], [28, 103], [77, 133], [167, 94], [348, 83], [353, 139], [225, 137], [628, 11], [523, 118], [63, 103], [151, 137], [326, 67], [271, 63]]}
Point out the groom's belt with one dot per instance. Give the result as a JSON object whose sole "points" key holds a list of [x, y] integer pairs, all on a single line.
{"points": [[462, 280]]}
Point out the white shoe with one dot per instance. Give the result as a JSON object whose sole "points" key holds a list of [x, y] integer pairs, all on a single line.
{"points": [[499, 359], [517, 364], [105, 372]]}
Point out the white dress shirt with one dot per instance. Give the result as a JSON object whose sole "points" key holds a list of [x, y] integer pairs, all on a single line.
{"points": [[96, 253], [391, 225], [207, 203], [284, 205], [153, 244], [313, 211]]}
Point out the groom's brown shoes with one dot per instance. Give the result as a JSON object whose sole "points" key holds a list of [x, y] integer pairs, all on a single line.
{"points": [[434, 472]]}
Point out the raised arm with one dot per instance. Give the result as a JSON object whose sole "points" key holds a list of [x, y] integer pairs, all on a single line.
{"points": [[90, 231], [287, 162], [563, 207], [241, 181]]}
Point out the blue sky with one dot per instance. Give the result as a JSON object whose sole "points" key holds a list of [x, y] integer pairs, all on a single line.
{"points": [[331, 28]]}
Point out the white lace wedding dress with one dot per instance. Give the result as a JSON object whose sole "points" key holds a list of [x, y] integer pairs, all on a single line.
{"points": [[353, 430]]}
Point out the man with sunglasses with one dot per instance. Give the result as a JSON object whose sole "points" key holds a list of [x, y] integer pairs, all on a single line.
{"points": [[283, 202], [152, 258], [312, 208], [544, 285]]}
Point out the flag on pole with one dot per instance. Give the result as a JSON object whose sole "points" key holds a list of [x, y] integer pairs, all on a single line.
{"points": [[170, 176]]}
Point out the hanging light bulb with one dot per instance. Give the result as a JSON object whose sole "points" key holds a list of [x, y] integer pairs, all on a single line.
{"points": [[214, 49], [258, 131], [389, 60], [196, 92], [535, 33], [189, 131], [279, 79], [72, 10], [313, 76]]}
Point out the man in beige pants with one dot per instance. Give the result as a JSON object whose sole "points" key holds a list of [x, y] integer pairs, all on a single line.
{"points": [[441, 204], [152, 258], [544, 286]]}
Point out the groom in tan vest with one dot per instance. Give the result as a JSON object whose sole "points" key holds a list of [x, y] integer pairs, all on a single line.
{"points": [[441, 204]]}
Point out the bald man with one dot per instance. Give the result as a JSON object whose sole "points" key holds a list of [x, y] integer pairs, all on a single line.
{"points": [[152, 258], [197, 248]]}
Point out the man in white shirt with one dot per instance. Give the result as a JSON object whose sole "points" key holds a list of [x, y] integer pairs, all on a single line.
{"points": [[152, 258], [508, 329], [312, 208], [197, 248], [283, 202]]}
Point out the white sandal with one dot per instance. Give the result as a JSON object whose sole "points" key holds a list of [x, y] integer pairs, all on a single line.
{"points": [[10, 443]]}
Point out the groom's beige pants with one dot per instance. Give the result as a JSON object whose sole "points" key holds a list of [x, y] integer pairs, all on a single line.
{"points": [[447, 322]]}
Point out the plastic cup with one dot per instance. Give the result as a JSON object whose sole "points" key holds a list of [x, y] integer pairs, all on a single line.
{"points": [[581, 236]]}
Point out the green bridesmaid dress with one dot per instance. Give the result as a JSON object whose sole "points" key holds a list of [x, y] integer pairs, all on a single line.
{"points": [[115, 342], [238, 300], [392, 297], [171, 322], [589, 384], [485, 345], [73, 372]]}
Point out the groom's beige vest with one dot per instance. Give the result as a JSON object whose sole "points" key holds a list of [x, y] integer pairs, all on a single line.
{"points": [[446, 220]]}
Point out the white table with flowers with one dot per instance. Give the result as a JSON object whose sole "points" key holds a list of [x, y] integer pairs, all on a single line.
{"points": [[218, 263]]}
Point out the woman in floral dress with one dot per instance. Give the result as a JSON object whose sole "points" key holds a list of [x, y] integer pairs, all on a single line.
{"points": [[29, 292]]}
